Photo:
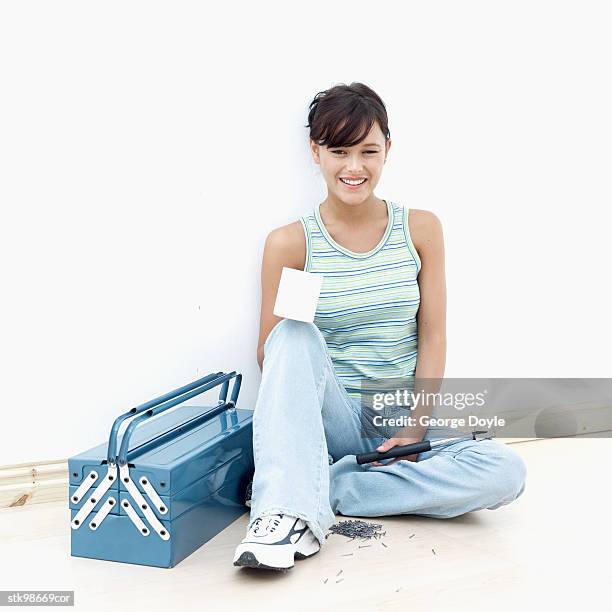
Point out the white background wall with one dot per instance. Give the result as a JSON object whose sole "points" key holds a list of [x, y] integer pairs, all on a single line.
{"points": [[147, 148]]}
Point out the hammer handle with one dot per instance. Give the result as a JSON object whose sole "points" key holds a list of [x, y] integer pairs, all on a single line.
{"points": [[396, 451]]}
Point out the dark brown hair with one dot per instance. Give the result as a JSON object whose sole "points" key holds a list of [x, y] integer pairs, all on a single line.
{"points": [[343, 115]]}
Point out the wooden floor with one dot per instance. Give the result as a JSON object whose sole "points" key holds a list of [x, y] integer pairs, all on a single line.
{"points": [[549, 548]]}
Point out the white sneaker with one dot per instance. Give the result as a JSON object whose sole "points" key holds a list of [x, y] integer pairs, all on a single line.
{"points": [[274, 541]]}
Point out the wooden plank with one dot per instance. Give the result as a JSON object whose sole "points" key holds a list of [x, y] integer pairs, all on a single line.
{"points": [[33, 483]]}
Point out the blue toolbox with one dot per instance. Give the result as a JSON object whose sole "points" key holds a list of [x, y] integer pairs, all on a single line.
{"points": [[178, 479]]}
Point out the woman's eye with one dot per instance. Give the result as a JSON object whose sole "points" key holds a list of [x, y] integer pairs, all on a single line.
{"points": [[364, 152]]}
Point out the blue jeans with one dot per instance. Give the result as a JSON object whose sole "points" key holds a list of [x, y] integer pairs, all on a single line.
{"points": [[307, 431]]}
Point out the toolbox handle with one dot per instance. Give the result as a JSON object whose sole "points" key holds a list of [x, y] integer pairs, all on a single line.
{"points": [[112, 441], [174, 400], [220, 409]]}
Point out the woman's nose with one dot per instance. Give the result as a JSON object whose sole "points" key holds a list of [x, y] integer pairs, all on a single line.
{"points": [[354, 165]]}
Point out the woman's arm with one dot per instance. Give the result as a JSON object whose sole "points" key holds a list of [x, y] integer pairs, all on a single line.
{"points": [[431, 317], [426, 233], [284, 247]]}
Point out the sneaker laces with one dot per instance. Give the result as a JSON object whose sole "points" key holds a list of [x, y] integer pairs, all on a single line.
{"points": [[266, 523]]}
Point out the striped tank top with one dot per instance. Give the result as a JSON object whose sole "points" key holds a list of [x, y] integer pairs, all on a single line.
{"points": [[368, 302]]}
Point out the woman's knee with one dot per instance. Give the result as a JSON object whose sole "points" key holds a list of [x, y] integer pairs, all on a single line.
{"points": [[507, 471], [499, 468], [290, 333]]}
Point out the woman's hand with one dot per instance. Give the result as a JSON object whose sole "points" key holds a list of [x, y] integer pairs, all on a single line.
{"points": [[390, 443]]}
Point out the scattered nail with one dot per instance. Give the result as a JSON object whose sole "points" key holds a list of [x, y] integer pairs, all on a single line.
{"points": [[325, 580], [341, 579], [339, 572], [346, 555], [433, 551], [384, 545], [365, 546], [357, 529], [412, 536]]}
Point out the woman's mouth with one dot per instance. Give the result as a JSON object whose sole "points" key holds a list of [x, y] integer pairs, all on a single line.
{"points": [[353, 183]]}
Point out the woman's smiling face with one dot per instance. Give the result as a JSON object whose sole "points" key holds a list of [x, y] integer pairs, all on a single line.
{"points": [[364, 160]]}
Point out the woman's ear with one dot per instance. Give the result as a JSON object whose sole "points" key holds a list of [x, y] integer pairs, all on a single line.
{"points": [[387, 147], [314, 149]]}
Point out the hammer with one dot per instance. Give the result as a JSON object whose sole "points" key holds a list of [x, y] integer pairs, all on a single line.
{"points": [[421, 447]]}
